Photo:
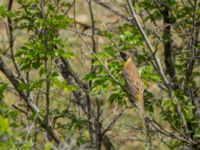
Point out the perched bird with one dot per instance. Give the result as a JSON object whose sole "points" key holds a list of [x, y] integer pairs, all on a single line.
{"points": [[133, 80]]}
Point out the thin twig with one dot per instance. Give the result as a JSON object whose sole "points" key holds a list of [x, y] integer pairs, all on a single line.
{"points": [[111, 9], [19, 109], [110, 125], [11, 41]]}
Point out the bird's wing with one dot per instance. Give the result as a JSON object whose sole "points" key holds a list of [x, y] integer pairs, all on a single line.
{"points": [[132, 83]]}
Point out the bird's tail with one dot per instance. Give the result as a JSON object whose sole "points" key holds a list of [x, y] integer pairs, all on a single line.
{"points": [[141, 106], [145, 124]]}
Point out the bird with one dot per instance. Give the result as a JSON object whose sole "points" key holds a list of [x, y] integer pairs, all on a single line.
{"points": [[134, 83], [133, 79]]}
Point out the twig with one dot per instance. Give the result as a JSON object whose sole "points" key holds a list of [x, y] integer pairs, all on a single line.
{"points": [[11, 41], [194, 36], [92, 37], [167, 133], [113, 122], [19, 109], [111, 9]]}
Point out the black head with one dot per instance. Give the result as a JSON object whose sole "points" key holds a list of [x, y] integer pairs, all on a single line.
{"points": [[126, 54]]}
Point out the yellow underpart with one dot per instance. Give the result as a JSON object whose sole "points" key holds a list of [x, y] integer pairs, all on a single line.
{"points": [[128, 61]]}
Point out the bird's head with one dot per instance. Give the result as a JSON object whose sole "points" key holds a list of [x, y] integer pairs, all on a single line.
{"points": [[131, 53]]}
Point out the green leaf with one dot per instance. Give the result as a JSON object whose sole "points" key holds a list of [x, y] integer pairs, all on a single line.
{"points": [[36, 65], [68, 88], [2, 89], [25, 66], [197, 133], [118, 98], [90, 76], [148, 74], [67, 54], [54, 74], [4, 125], [42, 71], [106, 33], [36, 84], [23, 86], [48, 146]]}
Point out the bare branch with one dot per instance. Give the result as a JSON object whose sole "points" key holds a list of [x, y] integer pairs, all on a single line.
{"points": [[11, 41]]}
